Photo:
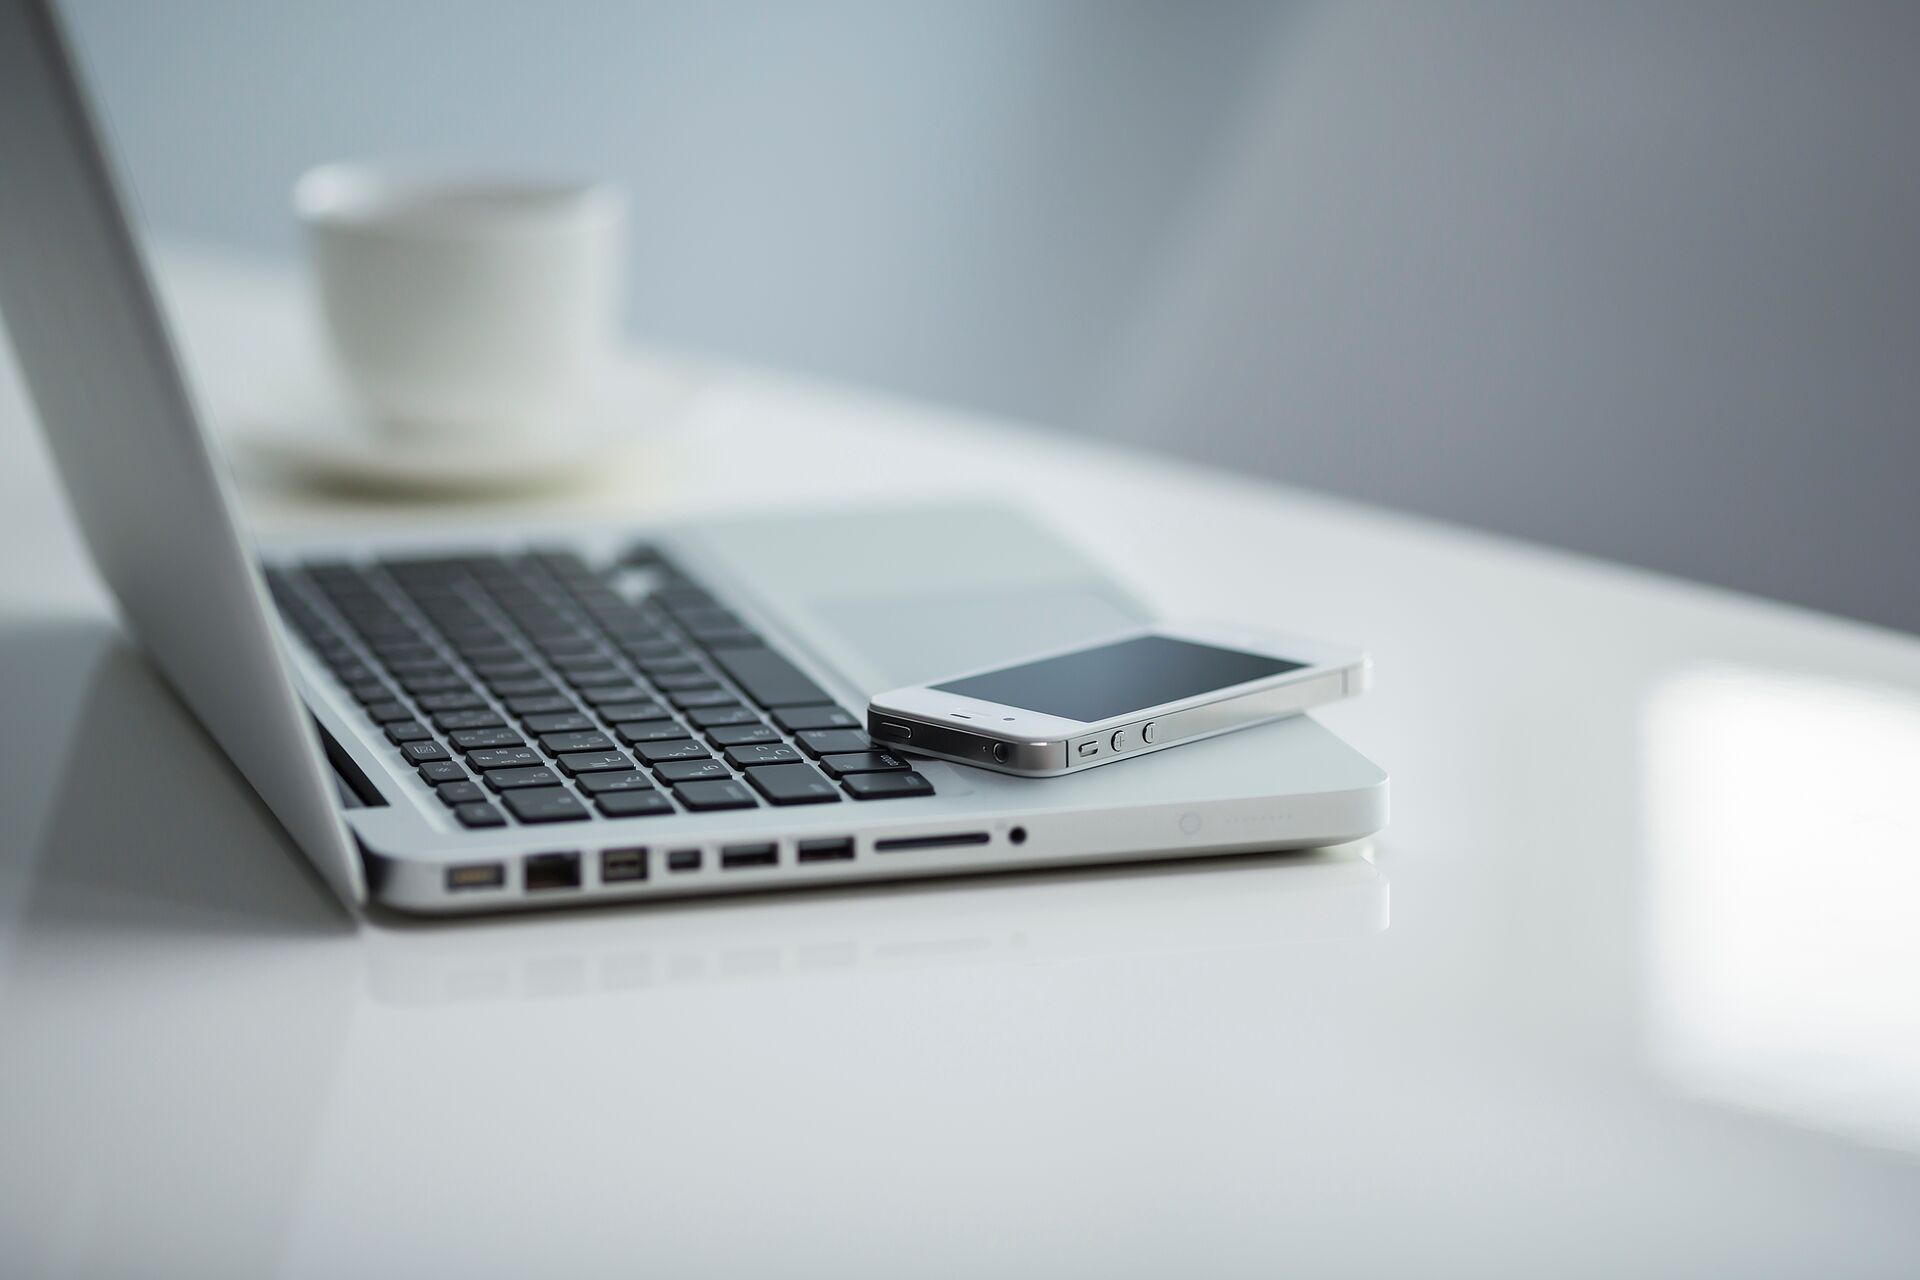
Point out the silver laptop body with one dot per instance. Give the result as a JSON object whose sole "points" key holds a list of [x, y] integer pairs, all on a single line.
{"points": [[841, 604]]}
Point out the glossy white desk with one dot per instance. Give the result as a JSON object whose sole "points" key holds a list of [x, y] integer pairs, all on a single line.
{"points": [[1631, 986]]}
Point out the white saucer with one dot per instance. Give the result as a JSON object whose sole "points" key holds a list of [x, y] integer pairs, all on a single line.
{"points": [[345, 454], [337, 448]]}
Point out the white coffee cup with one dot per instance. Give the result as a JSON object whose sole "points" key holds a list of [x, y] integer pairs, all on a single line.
{"points": [[466, 306]]}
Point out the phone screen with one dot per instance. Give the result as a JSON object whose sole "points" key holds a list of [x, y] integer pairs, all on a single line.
{"points": [[1113, 679]]}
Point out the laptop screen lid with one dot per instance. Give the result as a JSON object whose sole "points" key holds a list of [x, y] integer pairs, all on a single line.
{"points": [[150, 497]]}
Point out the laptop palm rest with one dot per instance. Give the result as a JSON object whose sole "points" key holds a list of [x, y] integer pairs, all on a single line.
{"points": [[908, 596]]}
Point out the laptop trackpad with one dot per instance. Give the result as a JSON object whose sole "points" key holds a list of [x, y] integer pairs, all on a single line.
{"points": [[900, 640], [903, 597]]}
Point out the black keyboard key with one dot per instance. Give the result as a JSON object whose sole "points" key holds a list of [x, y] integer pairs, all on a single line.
{"points": [[388, 712], [550, 629], [677, 665], [393, 654], [423, 664], [514, 668], [579, 762], [740, 735], [794, 719], [513, 779], [606, 695], [465, 791], [596, 660], [468, 701], [369, 691], [479, 815], [671, 749], [792, 784], [597, 678], [582, 740], [716, 794], [632, 804], [886, 786], [536, 687], [633, 732], [600, 783], [483, 718], [569, 645], [423, 752], [680, 680], [514, 682], [713, 717], [639, 650], [716, 639], [488, 650], [447, 683], [863, 762], [542, 704], [632, 711], [692, 770], [351, 672], [545, 804], [757, 754], [769, 679], [559, 722], [408, 731], [505, 758], [476, 739], [830, 742], [442, 771], [689, 698]]}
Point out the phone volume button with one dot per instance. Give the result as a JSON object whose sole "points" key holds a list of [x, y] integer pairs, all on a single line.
{"points": [[1119, 742], [1147, 732]]}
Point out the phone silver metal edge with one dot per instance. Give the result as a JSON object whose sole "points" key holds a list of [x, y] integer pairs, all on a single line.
{"points": [[920, 718]]}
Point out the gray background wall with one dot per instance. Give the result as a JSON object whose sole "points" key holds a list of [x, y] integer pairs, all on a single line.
{"points": [[1641, 279]]}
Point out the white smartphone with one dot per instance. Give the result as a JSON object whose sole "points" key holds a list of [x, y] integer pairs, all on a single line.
{"points": [[1142, 691]]}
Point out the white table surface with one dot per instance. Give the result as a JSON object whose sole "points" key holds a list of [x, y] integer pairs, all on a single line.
{"points": [[1630, 987]]}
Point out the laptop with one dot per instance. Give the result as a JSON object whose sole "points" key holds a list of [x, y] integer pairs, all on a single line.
{"points": [[498, 718]]}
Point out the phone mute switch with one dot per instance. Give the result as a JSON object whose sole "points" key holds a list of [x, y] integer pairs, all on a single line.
{"points": [[893, 729], [1091, 747]]}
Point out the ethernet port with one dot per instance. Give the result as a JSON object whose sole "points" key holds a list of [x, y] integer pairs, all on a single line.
{"points": [[552, 871]]}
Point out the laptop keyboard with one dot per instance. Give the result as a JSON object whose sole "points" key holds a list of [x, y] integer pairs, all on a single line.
{"points": [[538, 688]]}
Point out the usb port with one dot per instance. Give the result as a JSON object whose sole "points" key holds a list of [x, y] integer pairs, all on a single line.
{"points": [[477, 875], [838, 849], [735, 856], [622, 864], [553, 871], [683, 860]]}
